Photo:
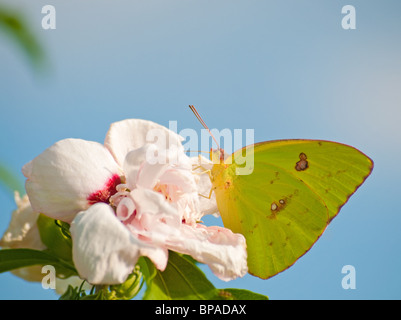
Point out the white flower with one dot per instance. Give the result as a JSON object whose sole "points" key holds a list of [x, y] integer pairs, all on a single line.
{"points": [[23, 232], [135, 196]]}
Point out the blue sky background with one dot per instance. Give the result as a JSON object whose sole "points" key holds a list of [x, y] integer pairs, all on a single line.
{"points": [[285, 68]]}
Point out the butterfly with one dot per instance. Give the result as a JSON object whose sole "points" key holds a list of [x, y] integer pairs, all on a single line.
{"points": [[295, 189]]}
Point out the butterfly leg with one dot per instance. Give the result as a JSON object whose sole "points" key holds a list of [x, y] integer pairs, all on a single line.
{"points": [[209, 172], [199, 166], [207, 197], [204, 170]]}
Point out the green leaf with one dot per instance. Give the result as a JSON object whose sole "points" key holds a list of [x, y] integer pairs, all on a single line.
{"points": [[14, 24], [10, 180], [130, 288], [147, 268], [71, 294], [183, 280], [240, 294], [11, 259], [55, 235], [100, 295]]}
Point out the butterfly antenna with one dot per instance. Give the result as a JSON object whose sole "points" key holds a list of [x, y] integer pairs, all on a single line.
{"points": [[197, 151], [193, 109]]}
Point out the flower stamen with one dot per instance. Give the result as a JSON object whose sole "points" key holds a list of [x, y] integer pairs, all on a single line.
{"points": [[104, 194]]}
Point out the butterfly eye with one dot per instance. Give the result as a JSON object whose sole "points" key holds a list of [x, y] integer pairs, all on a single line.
{"points": [[222, 155]]}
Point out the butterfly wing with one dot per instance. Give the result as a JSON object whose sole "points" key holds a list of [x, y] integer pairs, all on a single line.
{"points": [[296, 187]]}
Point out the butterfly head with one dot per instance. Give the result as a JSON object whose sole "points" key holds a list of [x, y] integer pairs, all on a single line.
{"points": [[218, 156]]}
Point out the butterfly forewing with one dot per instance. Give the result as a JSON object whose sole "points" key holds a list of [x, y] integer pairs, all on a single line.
{"points": [[332, 170]]}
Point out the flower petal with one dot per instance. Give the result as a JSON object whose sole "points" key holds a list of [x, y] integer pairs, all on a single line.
{"points": [[125, 209], [141, 169], [157, 216], [69, 176], [104, 251], [183, 179], [22, 231], [127, 135], [155, 220], [221, 249]]}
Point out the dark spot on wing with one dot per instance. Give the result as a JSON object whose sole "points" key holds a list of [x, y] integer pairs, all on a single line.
{"points": [[276, 177], [276, 207], [302, 164]]}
